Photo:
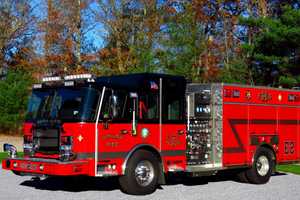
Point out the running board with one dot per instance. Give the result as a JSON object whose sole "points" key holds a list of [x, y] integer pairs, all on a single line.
{"points": [[204, 168]]}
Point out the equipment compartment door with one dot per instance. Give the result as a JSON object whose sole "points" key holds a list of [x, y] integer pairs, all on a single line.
{"points": [[204, 137], [288, 133]]}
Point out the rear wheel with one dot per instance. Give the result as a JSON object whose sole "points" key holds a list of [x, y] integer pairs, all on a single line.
{"points": [[262, 167], [141, 174]]}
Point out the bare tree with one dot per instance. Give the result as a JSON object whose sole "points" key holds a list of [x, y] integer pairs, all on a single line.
{"points": [[64, 30], [17, 28]]}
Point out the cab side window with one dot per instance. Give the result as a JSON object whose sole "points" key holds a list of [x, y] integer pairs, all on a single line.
{"points": [[117, 106], [173, 102], [149, 107]]}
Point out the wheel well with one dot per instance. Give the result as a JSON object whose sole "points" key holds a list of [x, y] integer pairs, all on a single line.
{"points": [[152, 150], [141, 147], [267, 146]]}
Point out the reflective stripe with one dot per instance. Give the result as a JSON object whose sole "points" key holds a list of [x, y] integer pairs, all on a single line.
{"points": [[173, 153], [107, 155]]}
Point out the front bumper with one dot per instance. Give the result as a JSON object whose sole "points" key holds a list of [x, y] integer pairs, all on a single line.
{"points": [[39, 166]]}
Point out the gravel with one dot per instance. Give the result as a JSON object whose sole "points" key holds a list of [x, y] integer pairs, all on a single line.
{"points": [[281, 186]]}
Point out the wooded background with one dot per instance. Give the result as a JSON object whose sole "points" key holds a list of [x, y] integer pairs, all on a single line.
{"points": [[251, 42]]}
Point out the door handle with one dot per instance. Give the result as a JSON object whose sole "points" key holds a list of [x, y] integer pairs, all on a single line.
{"points": [[180, 132], [124, 131]]}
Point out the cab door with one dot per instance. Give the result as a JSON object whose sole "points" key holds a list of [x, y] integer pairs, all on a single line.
{"points": [[161, 120], [148, 115], [173, 142], [115, 130]]}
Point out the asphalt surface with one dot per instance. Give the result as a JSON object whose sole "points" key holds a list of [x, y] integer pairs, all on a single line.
{"points": [[281, 186]]}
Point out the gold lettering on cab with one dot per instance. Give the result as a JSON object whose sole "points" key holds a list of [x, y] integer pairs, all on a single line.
{"points": [[112, 144], [173, 140], [112, 136], [265, 97]]}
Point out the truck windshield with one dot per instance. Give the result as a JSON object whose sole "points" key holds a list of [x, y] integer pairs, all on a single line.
{"points": [[65, 104]]}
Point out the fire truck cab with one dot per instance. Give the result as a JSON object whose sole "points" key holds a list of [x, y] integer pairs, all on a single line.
{"points": [[142, 126]]}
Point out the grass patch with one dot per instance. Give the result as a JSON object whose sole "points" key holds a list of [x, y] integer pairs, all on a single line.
{"points": [[295, 169], [4, 155]]}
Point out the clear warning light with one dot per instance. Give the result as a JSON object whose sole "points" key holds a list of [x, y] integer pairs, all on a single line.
{"points": [[279, 97]]}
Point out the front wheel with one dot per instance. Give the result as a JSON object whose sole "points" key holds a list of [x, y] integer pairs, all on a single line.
{"points": [[242, 176], [141, 174], [16, 173], [262, 167]]}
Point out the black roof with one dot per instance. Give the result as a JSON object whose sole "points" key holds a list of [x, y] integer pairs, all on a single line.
{"points": [[136, 81], [130, 82]]}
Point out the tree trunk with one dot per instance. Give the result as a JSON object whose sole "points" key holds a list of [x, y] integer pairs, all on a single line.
{"points": [[119, 55], [78, 33], [263, 8]]}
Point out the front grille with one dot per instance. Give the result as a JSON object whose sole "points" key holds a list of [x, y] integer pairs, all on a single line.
{"points": [[46, 140]]}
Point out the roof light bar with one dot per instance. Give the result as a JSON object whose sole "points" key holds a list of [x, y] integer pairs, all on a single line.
{"points": [[37, 86], [51, 78], [78, 76], [69, 83]]}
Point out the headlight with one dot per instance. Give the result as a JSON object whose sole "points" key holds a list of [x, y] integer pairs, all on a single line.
{"points": [[28, 145], [65, 148], [28, 149], [65, 152]]}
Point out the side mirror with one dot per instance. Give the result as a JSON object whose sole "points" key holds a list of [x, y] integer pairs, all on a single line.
{"points": [[11, 149]]}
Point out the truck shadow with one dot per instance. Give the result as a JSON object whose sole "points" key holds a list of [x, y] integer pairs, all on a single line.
{"points": [[73, 184], [81, 184], [220, 177]]}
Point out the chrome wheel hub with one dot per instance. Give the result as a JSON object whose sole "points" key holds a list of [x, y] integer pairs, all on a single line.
{"points": [[262, 165], [144, 173]]}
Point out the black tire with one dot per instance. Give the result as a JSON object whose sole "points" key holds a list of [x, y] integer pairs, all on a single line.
{"points": [[242, 177], [16, 173], [260, 173], [129, 183]]}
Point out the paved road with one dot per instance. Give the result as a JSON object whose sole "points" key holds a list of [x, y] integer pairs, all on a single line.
{"points": [[219, 187]]}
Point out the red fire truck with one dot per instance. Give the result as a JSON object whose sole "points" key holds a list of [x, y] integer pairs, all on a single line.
{"points": [[141, 127]]}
